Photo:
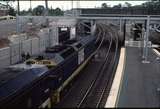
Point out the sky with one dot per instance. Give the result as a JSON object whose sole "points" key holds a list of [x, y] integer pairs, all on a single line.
{"points": [[65, 5]]}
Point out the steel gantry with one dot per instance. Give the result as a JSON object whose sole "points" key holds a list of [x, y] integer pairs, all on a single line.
{"points": [[146, 34]]}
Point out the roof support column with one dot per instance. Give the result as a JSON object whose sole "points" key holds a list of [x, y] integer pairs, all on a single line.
{"points": [[146, 37]]}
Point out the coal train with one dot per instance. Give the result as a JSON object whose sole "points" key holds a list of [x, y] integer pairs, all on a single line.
{"points": [[38, 81]]}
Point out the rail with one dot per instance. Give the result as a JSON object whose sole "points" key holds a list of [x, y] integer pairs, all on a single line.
{"points": [[85, 101]]}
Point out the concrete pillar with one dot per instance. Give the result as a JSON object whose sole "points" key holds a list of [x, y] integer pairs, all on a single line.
{"points": [[145, 51], [72, 32], [120, 25], [17, 23], [93, 27]]}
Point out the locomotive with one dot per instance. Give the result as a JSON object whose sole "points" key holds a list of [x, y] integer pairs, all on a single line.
{"points": [[38, 82]]}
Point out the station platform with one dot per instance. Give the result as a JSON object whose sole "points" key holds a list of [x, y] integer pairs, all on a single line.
{"points": [[141, 81]]}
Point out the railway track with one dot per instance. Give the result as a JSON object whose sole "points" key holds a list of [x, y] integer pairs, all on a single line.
{"points": [[96, 91], [93, 89]]}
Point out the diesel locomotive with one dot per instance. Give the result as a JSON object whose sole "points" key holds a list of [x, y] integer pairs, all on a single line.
{"points": [[38, 82]]}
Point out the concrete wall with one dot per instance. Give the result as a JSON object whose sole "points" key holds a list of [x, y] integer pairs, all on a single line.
{"points": [[73, 32], [35, 45], [46, 37], [12, 54], [42, 19], [4, 57], [53, 36], [54, 23], [15, 53]]}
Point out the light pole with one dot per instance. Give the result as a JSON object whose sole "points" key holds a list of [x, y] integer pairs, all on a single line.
{"points": [[146, 40], [46, 12], [18, 8], [30, 8], [72, 7], [17, 17], [78, 6]]}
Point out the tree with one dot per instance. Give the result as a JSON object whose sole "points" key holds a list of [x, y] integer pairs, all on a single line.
{"points": [[46, 9], [58, 11], [51, 11], [7, 2], [128, 5], [119, 6], [104, 5], [12, 12], [39, 10]]}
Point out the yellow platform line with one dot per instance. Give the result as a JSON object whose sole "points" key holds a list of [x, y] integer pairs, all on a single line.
{"points": [[117, 82], [156, 52], [45, 104]]}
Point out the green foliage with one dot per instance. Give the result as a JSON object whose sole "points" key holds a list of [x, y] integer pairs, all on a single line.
{"points": [[104, 5], [40, 10], [57, 12], [7, 2], [128, 4], [24, 12], [119, 6], [12, 12], [152, 7]]}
